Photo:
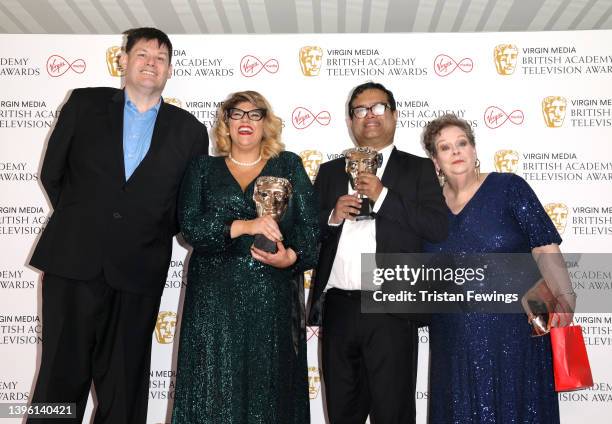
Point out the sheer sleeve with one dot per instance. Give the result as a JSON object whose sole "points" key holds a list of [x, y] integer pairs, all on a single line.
{"points": [[530, 214]]}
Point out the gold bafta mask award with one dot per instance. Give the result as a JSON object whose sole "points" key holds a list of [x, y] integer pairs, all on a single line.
{"points": [[362, 160], [311, 58], [505, 56], [553, 109], [271, 196], [112, 61]]}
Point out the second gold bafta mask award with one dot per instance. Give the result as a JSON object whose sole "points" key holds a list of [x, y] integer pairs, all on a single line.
{"points": [[362, 160], [271, 196]]}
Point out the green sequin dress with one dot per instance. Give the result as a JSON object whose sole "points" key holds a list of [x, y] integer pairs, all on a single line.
{"points": [[237, 362]]}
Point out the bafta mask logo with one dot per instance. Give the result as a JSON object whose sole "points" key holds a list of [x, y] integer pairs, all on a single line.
{"points": [[307, 279], [553, 109], [558, 214], [505, 56], [165, 327], [506, 160], [314, 382], [112, 61], [311, 159], [173, 101], [311, 58]]}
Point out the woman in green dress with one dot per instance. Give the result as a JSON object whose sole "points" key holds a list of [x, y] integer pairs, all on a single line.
{"points": [[240, 359]]}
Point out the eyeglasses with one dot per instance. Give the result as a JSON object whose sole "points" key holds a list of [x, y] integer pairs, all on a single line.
{"points": [[254, 115], [377, 109]]}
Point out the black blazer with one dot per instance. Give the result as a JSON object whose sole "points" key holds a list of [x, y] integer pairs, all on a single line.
{"points": [[102, 223], [414, 210]]}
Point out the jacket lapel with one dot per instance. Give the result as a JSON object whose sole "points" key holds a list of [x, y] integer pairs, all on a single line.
{"points": [[341, 181], [160, 132], [391, 170], [115, 116]]}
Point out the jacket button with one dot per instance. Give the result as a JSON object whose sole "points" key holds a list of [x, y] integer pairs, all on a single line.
{"points": [[117, 215]]}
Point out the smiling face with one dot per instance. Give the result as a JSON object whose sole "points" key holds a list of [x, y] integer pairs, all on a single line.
{"points": [[245, 133], [455, 155], [147, 67], [373, 131]]}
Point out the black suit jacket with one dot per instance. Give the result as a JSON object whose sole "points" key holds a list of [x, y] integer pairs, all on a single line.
{"points": [[102, 223], [413, 210]]}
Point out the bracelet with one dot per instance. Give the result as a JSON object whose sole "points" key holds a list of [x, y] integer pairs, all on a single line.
{"points": [[569, 293]]}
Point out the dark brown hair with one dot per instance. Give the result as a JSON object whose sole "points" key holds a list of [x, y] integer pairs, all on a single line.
{"points": [[134, 35], [433, 128]]}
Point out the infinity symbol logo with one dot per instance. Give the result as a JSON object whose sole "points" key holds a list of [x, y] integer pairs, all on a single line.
{"points": [[312, 332], [58, 66], [302, 118], [445, 65], [495, 117], [251, 66]]}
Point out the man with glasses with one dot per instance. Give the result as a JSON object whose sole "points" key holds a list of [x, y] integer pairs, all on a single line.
{"points": [[369, 360], [112, 170]]}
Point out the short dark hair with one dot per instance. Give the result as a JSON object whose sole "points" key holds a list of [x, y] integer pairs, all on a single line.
{"points": [[371, 86], [134, 35], [433, 128]]}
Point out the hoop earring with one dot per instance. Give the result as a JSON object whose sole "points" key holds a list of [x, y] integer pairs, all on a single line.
{"points": [[441, 178], [477, 169]]}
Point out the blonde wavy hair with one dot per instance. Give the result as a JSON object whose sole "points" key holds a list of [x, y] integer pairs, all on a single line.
{"points": [[271, 144]]}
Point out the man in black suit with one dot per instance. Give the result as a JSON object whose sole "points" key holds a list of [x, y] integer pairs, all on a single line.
{"points": [[112, 171], [369, 360]]}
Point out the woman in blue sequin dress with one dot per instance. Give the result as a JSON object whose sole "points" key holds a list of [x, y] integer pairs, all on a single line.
{"points": [[241, 360], [486, 368]]}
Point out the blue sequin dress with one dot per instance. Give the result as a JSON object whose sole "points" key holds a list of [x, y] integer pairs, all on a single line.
{"points": [[237, 360], [485, 368]]}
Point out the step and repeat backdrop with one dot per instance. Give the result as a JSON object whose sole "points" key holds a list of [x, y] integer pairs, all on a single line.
{"points": [[540, 104]]}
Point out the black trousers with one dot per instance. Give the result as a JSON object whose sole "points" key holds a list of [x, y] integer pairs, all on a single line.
{"points": [[369, 363], [92, 332]]}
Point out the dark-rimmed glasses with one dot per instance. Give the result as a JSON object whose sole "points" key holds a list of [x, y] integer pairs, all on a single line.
{"points": [[377, 109], [254, 115]]}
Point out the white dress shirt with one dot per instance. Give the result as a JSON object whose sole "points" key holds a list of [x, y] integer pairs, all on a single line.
{"points": [[357, 237]]}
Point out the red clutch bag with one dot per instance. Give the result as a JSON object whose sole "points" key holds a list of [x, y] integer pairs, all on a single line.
{"points": [[570, 360]]}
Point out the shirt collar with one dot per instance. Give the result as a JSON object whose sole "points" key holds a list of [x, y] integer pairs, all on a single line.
{"points": [[386, 152], [131, 106]]}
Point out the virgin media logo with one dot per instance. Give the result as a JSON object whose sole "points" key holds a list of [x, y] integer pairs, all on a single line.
{"points": [[495, 117], [58, 66], [251, 66], [302, 118], [312, 332], [445, 65]]}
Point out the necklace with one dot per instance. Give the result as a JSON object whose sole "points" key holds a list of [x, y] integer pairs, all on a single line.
{"points": [[237, 162]]}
